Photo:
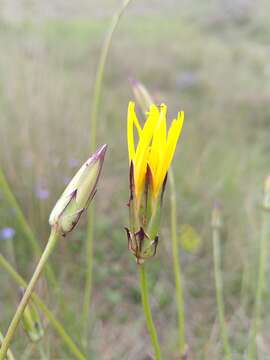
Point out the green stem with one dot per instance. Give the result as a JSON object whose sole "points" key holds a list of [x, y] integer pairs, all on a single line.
{"points": [[94, 116], [177, 270], [89, 274], [4, 186], [263, 254], [100, 71], [147, 311], [219, 293], [58, 327], [10, 356], [20, 309]]}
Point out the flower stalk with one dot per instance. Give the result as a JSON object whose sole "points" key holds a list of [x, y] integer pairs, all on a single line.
{"points": [[10, 355], [263, 255], [147, 312], [20, 309], [179, 292], [216, 226], [58, 327], [93, 141]]}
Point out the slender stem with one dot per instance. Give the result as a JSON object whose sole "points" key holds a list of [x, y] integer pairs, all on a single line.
{"points": [[4, 186], [100, 71], [263, 254], [147, 311], [58, 327], [219, 293], [177, 270], [19, 312], [94, 117], [10, 356], [89, 274]]}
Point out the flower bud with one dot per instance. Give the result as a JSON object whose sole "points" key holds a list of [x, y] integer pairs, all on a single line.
{"points": [[31, 321], [141, 95], [78, 194], [217, 216]]}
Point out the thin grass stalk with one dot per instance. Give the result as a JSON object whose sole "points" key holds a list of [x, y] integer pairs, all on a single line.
{"points": [[29, 289], [10, 355], [147, 312], [179, 292], [263, 255], [93, 139], [58, 327], [4, 186], [219, 293]]}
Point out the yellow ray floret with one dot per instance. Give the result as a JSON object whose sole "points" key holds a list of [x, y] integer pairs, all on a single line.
{"points": [[155, 147]]}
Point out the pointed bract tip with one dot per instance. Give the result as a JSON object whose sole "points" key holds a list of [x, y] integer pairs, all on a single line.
{"points": [[100, 153], [149, 175], [73, 194]]}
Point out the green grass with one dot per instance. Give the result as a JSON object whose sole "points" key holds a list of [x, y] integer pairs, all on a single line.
{"points": [[218, 72]]}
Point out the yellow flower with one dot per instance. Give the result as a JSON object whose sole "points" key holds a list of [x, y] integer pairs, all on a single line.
{"points": [[149, 160], [155, 147]]}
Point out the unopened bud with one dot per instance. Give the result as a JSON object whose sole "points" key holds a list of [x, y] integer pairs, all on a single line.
{"points": [[216, 216], [266, 200], [141, 95], [31, 321], [78, 194]]}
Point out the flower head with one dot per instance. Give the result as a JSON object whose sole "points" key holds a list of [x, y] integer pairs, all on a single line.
{"points": [[78, 194], [155, 147], [150, 160]]}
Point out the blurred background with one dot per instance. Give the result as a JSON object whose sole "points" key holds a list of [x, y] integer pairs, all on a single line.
{"points": [[209, 58]]}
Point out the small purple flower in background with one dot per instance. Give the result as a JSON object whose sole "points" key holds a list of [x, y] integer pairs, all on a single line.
{"points": [[42, 193], [187, 79], [7, 233], [72, 163]]}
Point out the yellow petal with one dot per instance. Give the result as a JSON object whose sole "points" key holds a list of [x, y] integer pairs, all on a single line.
{"points": [[173, 136], [142, 151], [159, 140], [130, 135], [132, 120]]}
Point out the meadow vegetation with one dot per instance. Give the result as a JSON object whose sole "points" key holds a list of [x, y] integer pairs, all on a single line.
{"points": [[210, 60]]}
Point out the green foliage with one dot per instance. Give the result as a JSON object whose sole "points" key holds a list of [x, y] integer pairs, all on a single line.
{"points": [[197, 58]]}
